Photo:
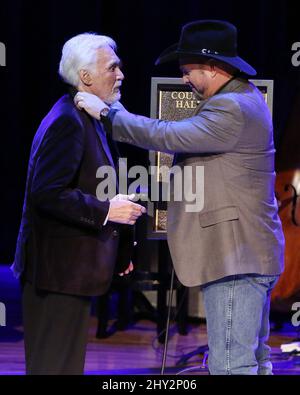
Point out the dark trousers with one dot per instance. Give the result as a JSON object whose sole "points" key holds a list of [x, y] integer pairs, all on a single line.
{"points": [[55, 331]]}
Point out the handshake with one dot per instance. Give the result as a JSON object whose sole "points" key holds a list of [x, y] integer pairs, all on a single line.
{"points": [[123, 211]]}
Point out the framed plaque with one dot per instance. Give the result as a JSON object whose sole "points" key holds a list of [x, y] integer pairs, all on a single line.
{"points": [[172, 100]]}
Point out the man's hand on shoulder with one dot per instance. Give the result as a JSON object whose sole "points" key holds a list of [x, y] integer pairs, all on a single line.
{"points": [[90, 103], [93, 105]]}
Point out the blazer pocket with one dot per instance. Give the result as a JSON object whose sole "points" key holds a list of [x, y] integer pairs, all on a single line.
{"points": [[208, 218]]}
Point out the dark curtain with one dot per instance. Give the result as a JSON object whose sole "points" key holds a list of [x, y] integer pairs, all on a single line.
{"points": [[34, 32]]}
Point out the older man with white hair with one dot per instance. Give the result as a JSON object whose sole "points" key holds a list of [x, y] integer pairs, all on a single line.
{"points": [[67, 246]]}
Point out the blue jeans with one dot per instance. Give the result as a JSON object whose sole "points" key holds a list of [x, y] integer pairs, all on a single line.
{"points": [[237, 315]]}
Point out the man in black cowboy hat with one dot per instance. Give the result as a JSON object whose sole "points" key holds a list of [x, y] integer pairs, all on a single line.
{"points": [[234, 246]]}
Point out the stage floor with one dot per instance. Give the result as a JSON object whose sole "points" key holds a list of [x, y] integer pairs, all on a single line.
{"points": [[135, 350]]}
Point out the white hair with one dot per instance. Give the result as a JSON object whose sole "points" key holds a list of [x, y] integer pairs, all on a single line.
{"points": [[81, 52]]}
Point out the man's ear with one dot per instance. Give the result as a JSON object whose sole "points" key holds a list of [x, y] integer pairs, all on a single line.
{"points": [[85, 77], [213, 68]]}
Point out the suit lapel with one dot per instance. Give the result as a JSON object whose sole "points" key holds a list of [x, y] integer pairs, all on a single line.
{"points": [[103, 141]]}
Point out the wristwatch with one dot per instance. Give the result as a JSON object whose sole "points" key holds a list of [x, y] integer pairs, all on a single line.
{"points": [[103, 113]]}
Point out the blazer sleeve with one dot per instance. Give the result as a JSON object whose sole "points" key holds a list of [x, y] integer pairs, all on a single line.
{"points": [[53, 188], [216, 128], [125, 248]]}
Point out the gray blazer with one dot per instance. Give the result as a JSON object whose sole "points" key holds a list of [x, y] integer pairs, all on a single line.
{"points": [[238, 230]]}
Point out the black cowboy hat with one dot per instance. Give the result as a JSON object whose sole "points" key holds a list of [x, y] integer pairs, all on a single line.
{"points": [[207, 38]]}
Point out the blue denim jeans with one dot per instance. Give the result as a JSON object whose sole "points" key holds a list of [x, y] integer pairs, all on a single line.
{"points": [[237, 315]]}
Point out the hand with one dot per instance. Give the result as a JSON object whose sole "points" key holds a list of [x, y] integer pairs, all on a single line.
{"points": [[123, 211], [90, 103], [128, 270]]}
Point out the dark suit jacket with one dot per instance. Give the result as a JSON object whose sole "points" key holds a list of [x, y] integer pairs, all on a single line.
{"points": [[62, 245]]}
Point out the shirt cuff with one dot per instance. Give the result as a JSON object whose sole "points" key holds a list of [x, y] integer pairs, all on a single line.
{"points": [[106, 219]]}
